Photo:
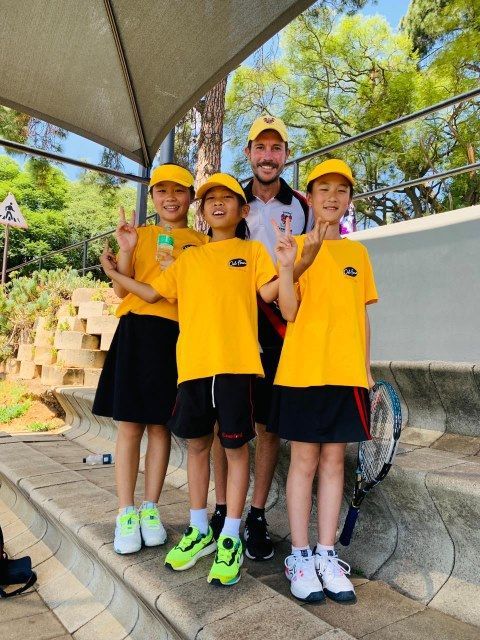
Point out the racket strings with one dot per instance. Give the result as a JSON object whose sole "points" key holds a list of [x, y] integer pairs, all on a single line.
{"points": [[375, 453]]}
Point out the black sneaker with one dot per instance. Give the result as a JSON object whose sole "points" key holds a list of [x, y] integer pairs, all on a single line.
{"points": [[258, 545], [216, 523]]}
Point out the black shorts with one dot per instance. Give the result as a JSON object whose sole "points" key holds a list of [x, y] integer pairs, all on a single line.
{"points": [[226, 398], [320, 414], [264, 386], [138, 382]]}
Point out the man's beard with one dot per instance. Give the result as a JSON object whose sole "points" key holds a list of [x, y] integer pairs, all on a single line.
{"points": [[270, 180]]}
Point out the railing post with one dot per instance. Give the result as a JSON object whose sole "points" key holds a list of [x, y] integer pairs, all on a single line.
{"points": [[84, 255], [142, 195], [40, 263]]}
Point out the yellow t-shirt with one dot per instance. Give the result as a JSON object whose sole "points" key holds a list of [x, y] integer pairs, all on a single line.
{"points": [[146, 268], [326, 343], [215, 286]]}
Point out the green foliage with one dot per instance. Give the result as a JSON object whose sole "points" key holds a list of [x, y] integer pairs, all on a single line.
{"points": [[24, 299], [336, 75], [10, 412], [39, 427]]}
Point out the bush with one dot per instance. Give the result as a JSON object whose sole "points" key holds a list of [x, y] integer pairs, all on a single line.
{"points": [[24, 299]]}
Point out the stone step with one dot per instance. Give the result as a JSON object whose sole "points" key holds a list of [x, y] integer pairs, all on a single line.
{"points": [[417, 531], [44, 355], [66, 310], [90, 309], [25, 351], [83, 576], [91, 378], [57, 375], [94, 294], [106, 341], [98, 325], [75, 340], [44, 338], [71, 323], [81, 358], [28, 370]]}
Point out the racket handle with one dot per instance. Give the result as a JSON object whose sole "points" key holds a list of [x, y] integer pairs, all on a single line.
{"points": [[349, 526]]}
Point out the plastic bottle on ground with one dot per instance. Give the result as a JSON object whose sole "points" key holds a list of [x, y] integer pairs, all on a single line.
{"points": [[99, 458]]}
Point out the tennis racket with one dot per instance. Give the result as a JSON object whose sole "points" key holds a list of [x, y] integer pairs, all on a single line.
{"points": [[375, 456]]}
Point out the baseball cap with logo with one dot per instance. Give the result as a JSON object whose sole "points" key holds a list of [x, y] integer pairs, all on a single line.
{"points": [[331, 166], [221, 180], [171, 173], [264, 123]]}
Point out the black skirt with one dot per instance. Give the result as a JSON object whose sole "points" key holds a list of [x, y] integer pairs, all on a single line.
{"points": [[138, 382], [320, 414]]}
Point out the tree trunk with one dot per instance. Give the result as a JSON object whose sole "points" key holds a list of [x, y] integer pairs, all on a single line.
{"points": [[212, 110]]}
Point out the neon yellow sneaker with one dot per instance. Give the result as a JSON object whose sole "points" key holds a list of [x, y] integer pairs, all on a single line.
{"points": [[228, 560], [192, 546]]}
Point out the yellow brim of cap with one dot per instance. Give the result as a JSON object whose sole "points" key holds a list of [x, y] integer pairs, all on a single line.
{"points": [[171, 173], [221, 180]]}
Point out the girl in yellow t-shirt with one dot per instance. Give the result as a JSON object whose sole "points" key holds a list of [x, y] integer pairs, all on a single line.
{"points": [[138, 383], [321, 397], [218, 359]]}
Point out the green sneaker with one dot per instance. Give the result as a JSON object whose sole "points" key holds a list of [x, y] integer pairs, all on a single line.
{"points": [[192, 546], [228, 560]]}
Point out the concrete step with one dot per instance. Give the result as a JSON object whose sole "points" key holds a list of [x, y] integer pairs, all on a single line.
{"points": [[75, 340], [26, 351], [86, 294], [90, 309], [90, 358], [417, 531], [98, 325], [56, 374], [28, 370], [67, 510], [79, 504], [44, 355]]}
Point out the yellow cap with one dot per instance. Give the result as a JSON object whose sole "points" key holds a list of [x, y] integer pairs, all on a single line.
{"points": [[268, 122], [171, 173], [221, 180], [331, 166]]}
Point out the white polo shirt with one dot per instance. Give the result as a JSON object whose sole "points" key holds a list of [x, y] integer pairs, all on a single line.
{"points": [[286, 204]]}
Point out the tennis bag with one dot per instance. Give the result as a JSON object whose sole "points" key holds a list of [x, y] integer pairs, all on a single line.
{"points": [[15, 572]]}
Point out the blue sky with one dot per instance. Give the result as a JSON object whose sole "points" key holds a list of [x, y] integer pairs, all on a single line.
{"points": [[80, 148]]}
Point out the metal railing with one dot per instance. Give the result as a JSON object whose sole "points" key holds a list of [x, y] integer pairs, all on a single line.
{"points": [[295, 165]]}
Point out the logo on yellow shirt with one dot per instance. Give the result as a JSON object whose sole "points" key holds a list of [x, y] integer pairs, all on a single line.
{"points": [[237, 262], [350, 271]]}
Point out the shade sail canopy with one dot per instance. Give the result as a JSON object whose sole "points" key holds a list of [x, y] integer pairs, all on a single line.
{"points": [[123, 72]]}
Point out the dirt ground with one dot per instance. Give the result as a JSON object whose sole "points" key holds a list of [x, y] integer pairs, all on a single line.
{"points": [[43, 409]]}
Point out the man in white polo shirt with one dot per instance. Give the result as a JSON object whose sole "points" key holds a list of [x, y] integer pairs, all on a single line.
{"points": [[270, 198]]}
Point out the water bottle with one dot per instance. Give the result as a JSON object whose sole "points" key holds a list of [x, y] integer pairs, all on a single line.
{"points": [[99, 458], [164, 247]]}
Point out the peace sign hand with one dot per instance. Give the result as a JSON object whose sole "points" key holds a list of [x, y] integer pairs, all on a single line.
{"points": [[107, 259], [126, 233], [313, 242], [286, 247]]}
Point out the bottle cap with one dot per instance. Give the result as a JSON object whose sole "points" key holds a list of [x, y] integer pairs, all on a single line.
{"points": [[164, 239]]}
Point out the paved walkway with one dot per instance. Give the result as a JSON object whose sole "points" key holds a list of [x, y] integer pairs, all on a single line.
{"points": [[380, 614]]}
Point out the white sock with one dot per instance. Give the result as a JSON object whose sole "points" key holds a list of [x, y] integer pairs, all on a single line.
{"points": [[148, 505], [302, 552], [231, 527], [199, 519], [125, 510], [323, 549]]}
